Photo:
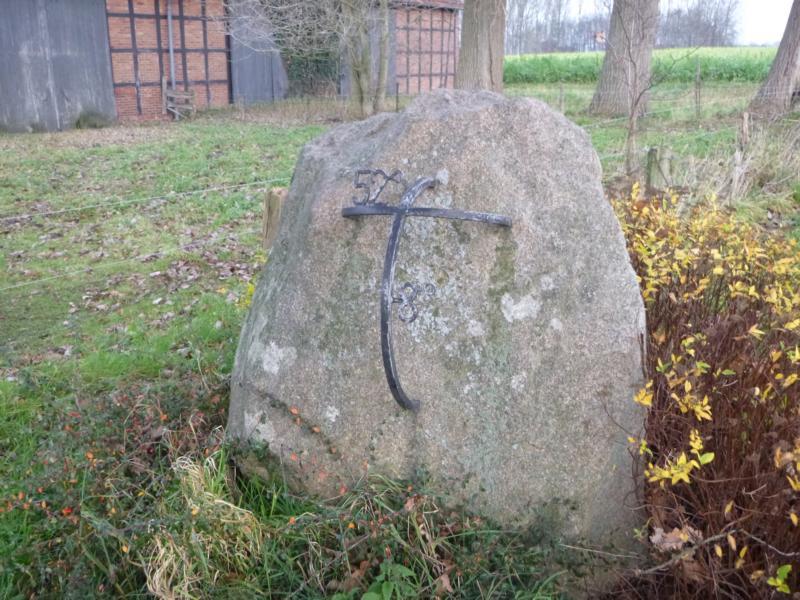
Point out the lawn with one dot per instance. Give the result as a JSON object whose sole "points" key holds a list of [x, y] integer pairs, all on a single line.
{"points": [[125, 255], [127, 260]]}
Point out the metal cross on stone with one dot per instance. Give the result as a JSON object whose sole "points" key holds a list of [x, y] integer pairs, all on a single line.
{"points": [[373, 182]]}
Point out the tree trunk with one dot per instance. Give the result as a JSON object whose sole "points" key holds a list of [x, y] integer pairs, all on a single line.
{"points": [[780, 90], [361, 70], [480, 60], [625, 77], [383, 57]]}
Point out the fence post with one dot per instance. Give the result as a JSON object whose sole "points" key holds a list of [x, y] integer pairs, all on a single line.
{"points": [[658, 172], [740, 162], [697, 83], [652, 162], [744, 131], [273, 202], [665, 159]]}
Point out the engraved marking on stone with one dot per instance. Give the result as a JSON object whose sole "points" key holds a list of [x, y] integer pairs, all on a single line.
{"points": [[372, 183]]}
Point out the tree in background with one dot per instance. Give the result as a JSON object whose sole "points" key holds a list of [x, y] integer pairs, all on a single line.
{"points": [[480, 59], [550, 25], [691, 23], [312, 31], [547, 25], [625, 76], [782, 87]]}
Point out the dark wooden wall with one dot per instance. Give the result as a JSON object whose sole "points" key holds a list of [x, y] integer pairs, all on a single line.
{"points": [[54, 63]]}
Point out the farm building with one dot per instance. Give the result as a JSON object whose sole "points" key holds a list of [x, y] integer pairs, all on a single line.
{"points": [[132, 59]]}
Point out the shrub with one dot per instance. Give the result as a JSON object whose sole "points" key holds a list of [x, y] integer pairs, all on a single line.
{"points": [[722, 441], [91, 120]]}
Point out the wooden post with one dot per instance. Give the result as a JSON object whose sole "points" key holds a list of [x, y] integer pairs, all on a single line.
{"points": [[697, 82], [665, 158], [273, 202], [652, 162], [737, 177], [658, 174], [740, 162], [744, 131]]}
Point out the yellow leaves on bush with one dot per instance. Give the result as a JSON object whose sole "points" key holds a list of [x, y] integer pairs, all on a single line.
{"points": [[644, 396], [678, 470], [674, 471], [723, 358], [708, 258], [708, 249], [701, 409], [641, 445]]}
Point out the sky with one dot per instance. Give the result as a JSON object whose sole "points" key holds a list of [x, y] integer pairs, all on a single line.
{"points": [[762, 21]]}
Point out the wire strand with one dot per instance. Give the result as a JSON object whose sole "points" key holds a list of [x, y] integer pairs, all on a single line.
{"points": [[167, 196]]}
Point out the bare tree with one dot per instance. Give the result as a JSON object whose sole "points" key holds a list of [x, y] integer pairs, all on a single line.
{"points": [[625, 75], [782, 87], [546, 25], [319, 28], [519, 16], [691, 23], [480, 60]]}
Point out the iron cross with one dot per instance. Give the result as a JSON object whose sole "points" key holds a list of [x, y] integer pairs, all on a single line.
{"points": [[373, 182]]}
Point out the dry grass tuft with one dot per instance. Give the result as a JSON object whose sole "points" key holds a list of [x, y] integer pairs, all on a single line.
{"points": [[215, 539]]}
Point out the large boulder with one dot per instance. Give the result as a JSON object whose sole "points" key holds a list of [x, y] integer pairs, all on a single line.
{"points": [[526, 357]]}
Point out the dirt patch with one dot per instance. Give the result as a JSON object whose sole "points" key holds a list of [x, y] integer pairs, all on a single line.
{"points": [[123, 134]]}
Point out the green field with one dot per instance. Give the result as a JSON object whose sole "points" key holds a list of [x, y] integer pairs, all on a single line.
{"points": [[669, 66]]}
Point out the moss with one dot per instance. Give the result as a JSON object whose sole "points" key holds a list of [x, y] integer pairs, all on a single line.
{"points": [[501, 281], [344, 322], [464, 237]]}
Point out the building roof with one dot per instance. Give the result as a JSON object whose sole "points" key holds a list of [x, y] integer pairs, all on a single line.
{"points": [[449, 4]]}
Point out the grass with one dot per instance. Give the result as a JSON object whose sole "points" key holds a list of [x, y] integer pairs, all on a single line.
{"points": [[139, 336], [669, 65], [381, 536], [702, 142], [117, 332], [672, 116]]}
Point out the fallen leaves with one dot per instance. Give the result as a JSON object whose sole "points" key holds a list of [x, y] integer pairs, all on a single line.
{"points": [[676, 539]]}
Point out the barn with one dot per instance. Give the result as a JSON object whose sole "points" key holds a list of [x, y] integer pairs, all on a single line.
{"points": [[135, 59]]}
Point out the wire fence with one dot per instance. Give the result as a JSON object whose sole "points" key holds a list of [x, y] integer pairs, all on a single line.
{"points": [[54, 301], [116, 201], [40, 308], [69, 302]]}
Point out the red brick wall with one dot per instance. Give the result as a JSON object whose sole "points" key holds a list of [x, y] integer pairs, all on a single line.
{"points": [[199, 48], [427, 43]]}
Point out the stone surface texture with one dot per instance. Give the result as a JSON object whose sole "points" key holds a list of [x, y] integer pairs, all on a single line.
{"points": [[525, 361]]}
